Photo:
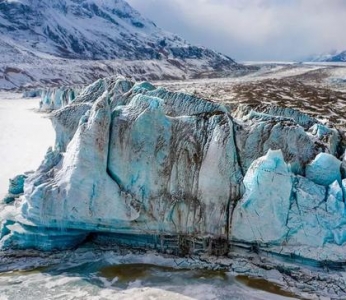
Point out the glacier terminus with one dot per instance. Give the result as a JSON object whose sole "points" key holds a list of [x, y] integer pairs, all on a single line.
{"points": [[145, 166]]}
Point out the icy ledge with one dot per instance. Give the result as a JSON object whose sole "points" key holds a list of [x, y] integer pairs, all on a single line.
{"points": [[146, 167]]}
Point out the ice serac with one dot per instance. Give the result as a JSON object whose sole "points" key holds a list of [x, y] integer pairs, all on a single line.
{"points": [[262, 214], [324, 169], [310, 211], [142, 165], [16, 188], [55, 98]]}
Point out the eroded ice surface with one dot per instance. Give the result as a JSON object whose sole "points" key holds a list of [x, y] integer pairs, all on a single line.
{"points": [[145, 166]]}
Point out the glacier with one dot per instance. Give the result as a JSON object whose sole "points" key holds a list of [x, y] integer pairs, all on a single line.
{"points": [[140, 165]]}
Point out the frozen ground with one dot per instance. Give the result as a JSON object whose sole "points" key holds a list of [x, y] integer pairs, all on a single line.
{"points": [[25, 136]]}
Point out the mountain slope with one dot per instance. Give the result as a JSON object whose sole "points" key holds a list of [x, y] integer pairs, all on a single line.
{"points": [[333, 56], [93, 30], [340, 57]]}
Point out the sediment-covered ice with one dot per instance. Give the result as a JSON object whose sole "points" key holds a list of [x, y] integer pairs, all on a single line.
{"points": [[138, 161]]}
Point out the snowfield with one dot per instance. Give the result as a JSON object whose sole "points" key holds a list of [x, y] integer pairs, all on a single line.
{"points": [[25, 136]]}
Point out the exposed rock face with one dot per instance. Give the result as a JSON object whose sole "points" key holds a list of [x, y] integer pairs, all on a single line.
{"points": [[138, 161]]}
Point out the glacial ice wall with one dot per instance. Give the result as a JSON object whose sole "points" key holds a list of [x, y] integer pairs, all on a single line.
{"points": [[137, 160]]}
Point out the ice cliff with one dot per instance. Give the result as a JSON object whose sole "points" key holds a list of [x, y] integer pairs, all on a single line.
{"points": [[139, 164]]}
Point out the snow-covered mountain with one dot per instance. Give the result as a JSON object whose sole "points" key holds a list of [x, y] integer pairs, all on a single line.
{"points": [[340, 57], [333, 56], [32, 31]]}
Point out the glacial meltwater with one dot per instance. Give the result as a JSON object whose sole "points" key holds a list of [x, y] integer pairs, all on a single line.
{"points": [[113, 276], [25, 137]]}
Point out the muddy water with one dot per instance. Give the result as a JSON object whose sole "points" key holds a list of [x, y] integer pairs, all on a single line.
{"points": [[264, 285], [161, 275], [130, 272], [99, 280]]}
